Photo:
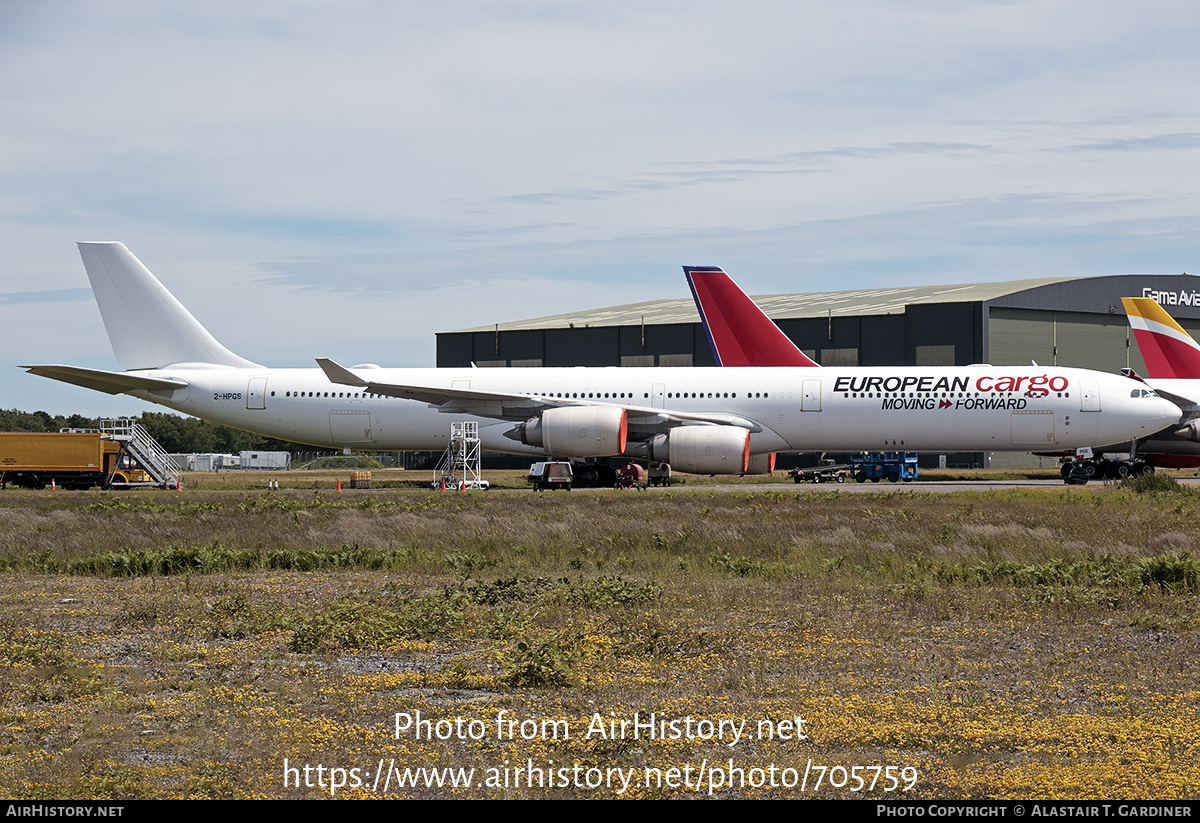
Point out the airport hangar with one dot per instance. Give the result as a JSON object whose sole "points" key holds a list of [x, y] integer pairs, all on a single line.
{"points": [[1063, 321]]}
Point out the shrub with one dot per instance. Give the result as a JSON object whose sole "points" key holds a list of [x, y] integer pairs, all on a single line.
{"points": [[1153, 484]]}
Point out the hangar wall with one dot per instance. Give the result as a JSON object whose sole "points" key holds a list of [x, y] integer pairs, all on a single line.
{"points": [[1100, 342], [928, 335]]}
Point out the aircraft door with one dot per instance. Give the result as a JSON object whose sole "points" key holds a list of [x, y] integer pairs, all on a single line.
{"points": [[657, 393], [256, 393], [810, 396], [1089, 395]]}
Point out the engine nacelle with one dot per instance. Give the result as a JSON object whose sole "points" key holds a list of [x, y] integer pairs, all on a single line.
{"points": [[578, 431], [761, 464], [704, 449]]}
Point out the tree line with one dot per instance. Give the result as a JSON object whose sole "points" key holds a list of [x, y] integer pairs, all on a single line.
{"points": [[178, 435]]}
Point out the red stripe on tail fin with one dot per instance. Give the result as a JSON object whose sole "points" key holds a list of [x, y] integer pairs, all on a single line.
{"points": [[1169, 351], [738, 331]]}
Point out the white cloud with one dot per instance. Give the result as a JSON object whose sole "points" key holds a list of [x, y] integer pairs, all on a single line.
{"points": [[338, 172]]}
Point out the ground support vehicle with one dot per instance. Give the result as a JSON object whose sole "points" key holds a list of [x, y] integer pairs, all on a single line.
{"points": [[551, 474], [876, 466], [631, 476], [593, 473], [829, 471], [121, 454], [659, 474]]}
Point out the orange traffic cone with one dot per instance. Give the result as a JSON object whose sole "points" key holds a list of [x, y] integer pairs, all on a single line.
{"points": [[52, 486], [339, 484]]}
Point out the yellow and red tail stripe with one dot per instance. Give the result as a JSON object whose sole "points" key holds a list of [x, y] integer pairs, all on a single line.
{"points": [[1169, 351]]}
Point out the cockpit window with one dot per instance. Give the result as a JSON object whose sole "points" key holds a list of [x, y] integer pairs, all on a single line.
{"points": [[1142, 393]]}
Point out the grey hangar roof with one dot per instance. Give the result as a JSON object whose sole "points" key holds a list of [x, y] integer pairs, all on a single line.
{"points": [[779, 306], [1066, 321]]}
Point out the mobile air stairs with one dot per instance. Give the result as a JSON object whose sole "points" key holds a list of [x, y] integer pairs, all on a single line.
{"points": [[460, 466], [137, 443]]}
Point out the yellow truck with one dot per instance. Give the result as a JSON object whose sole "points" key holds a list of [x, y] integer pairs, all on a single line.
{"points": [[70, 460]]}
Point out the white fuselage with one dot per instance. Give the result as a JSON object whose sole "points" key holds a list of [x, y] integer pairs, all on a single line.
{"points": [[975, 408]]}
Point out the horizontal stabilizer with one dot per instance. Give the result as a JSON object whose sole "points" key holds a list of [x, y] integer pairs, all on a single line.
{"points": [[109, 382]]}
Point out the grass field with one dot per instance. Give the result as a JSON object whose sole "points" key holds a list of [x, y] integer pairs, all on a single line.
{"points": [[1008, 644], [516, 479]]}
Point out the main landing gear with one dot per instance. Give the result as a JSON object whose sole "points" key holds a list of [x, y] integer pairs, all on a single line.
{"points": [[1079, 472], [1085, 467]]}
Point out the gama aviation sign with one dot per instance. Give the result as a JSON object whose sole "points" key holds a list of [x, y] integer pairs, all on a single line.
{"points": [[1171, 298]]}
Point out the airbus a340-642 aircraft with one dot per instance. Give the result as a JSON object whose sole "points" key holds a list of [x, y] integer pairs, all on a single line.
{"points": [[707, 420]]}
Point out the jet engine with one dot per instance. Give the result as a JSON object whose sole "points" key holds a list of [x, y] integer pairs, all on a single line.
{"points": [[704, 449], [761, 464], [578, 431], [1190, 432]]}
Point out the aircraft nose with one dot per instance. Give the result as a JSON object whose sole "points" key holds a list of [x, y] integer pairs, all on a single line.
{"points": [[1165, 413]]}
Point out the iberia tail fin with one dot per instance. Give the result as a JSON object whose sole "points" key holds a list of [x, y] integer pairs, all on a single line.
{"points": [[1169, 351], [738, 331]]}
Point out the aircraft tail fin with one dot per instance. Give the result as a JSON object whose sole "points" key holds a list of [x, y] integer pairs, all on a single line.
{"points": [[147, 326], [738, 331], [1169, 351]]}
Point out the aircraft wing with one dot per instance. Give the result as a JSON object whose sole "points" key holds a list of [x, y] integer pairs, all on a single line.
{"points": [[451, 399], [519, 407], [110, 382]]}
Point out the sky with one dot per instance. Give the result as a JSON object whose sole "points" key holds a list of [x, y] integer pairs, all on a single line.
{"points": [[347, 179]]}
